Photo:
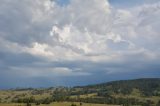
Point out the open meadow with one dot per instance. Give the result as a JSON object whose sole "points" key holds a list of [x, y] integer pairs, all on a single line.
{"points": [[58, 104], [141, 92]]}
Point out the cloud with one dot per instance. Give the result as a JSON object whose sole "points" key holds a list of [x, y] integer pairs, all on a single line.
{"points": [[44, 39]]}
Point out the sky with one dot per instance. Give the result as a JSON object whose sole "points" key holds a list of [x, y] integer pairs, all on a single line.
{"points": [[46, 43]]}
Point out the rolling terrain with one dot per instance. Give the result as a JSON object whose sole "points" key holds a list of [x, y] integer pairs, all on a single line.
{"points": [[138, 92]]}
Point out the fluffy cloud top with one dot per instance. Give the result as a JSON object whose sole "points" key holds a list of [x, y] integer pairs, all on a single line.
{"points": [[44, 40]]}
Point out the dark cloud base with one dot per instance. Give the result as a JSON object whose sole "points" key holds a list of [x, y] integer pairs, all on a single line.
{"points": [[74, 42]]}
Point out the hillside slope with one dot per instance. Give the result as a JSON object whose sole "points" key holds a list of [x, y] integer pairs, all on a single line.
{"points": [[141, 92], [146, 86]]}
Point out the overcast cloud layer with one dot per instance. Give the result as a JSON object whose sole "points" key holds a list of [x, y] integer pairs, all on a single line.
{"points": [[44, 43]]}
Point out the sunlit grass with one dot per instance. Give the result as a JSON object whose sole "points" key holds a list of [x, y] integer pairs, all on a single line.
{"points": [[57, 104]]}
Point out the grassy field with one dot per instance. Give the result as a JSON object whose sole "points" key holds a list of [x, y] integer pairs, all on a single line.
{"points": [[58, 104], [131, 92], [8, 95]]}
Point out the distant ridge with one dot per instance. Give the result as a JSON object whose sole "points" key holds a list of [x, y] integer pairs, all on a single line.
{"points": [[146, 86], [135, 92], [115, 81]]}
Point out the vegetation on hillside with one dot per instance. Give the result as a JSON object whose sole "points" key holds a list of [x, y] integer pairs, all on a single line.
{"points": [[142, 92]]}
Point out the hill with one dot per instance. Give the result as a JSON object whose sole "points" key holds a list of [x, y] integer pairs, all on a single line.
{"points": [[138, 92], [146, 86]]}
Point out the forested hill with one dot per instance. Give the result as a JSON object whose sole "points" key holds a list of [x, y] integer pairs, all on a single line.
{"points": [[145, 86], [138, 92]]}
